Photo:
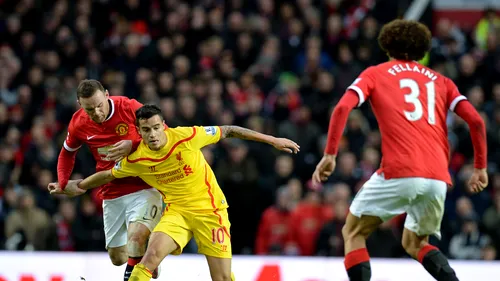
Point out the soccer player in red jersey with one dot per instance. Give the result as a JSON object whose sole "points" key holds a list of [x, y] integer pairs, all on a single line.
{"points": [[131, 208], [410, 102]]}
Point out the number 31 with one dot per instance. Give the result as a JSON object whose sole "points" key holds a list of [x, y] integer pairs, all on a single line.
{"points": [[412, 98]]}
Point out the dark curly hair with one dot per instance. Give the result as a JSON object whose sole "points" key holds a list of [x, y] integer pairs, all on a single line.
{"points": [[405, 39]]}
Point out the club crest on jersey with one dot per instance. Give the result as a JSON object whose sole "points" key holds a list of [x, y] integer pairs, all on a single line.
{"points": [[118, 165], [121, 129], [210, 130], [187, 170], [178, 156]]}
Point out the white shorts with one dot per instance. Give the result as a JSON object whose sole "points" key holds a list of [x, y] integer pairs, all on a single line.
{"points": [[422, 199], [143, 206]]}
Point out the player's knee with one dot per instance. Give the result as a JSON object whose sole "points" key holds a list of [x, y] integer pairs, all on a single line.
{"points": [[118, 261], [153, 255], [118, 257], [137, 244], [136, 248], [139, 234]]}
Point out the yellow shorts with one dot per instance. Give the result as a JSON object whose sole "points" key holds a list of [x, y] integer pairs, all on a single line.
{"points": [[210, 231]]}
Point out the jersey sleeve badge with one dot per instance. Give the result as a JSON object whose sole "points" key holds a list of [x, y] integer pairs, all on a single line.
{"points": [[118, 165], [211, 131]]}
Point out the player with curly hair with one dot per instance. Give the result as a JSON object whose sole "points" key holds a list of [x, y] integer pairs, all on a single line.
{"points": [[410, 102]]}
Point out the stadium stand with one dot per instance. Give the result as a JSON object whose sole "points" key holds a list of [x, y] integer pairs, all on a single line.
{"points": [[273, 66]]}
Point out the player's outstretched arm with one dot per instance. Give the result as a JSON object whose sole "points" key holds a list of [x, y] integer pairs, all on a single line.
{"points": [[96, 180], [71, 189], [479, 178], [247, 134], [338, 121]]}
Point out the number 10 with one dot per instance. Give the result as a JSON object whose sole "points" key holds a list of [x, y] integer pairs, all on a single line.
{"points": [[412, 98], [218, 235]]}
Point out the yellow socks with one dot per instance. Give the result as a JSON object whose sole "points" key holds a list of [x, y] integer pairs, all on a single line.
{"points": [[232, 276], [140, 273]]}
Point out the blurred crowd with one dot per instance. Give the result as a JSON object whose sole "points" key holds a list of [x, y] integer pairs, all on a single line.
{"points": [[277, 67]]}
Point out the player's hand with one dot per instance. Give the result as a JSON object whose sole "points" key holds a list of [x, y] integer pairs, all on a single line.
{"points": [[285, 145], [71, 189], [119, 150], [478, 181], [324, 169], [54, 188]]}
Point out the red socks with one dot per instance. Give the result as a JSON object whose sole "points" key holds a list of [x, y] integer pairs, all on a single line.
{"points": [[356, 257], [134, 261], [426, 249], [357, 265], [436, 264]]}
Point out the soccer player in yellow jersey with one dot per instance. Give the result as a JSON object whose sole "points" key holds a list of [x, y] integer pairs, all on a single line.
{"points": [[171, 161]]}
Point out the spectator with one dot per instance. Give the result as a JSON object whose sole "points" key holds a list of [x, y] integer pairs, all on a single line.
{"points": [[274, 223], [347, 171], [28, 227], [449, 41], [469, 242], [468, 74], [87, 228], [369, 162], [330, 241], [486, 26], [294, 186], [305, 224], [489, 253], [491, 220], [64, 220], [301, 129], [319, 97]]}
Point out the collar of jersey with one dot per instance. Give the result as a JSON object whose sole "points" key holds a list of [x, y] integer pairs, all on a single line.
{"points": [[112, 109], [144, 153]]}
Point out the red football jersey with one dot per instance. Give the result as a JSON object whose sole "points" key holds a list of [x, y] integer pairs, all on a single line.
{"points": [[120, 125], [410, 102]]}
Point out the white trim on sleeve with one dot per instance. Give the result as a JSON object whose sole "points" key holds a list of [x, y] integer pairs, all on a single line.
{"points": [[360, 94], [454, 103], [69, 148]]}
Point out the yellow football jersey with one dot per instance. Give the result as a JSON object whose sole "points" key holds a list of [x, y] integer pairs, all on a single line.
{"points": [[178, 170]]}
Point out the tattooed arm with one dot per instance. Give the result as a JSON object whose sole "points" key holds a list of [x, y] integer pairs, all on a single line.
{"points": [[247, 134]]}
